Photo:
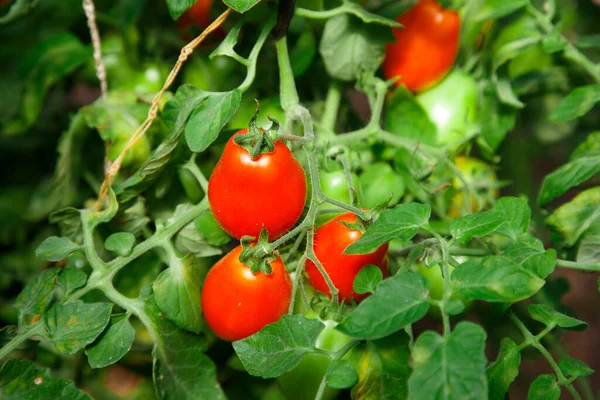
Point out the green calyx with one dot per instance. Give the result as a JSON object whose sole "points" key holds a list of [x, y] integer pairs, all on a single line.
{"points": [[258, 141], [253, 255]]}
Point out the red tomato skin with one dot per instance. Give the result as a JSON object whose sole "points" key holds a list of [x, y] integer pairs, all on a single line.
{"points": [[198, 15], [245, 194], [425, 47], [330, 241], [237, 303]]}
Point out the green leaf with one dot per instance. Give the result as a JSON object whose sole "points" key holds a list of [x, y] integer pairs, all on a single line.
{"points": [[465, 228], [499, 119], [576, 217], [590, 41], [516, 214], [494, 9], [450, 366], [590, 147], [401, 222], [72, 326], [569, 175], [95, 218], [241, 6], [36, 296], [278, 347], [512, 49], [113, 344], [576, 104], [22, 379], [505, 92], [178, 7], [573, 368], [550, 317], [227, 45], [55, 248], [589, 250], [71, 279], [69, 223], [554, 41], [397, 302], [383, 369], [367, 279], [497, 279], [190, 240], [211, 115], [502, 372], [407, 118], [210, 230], [181, 370], [367, 42], [530, 254], [177, 293], [120, 243], [341, 374], [303, 53], [367, 17], [544, 387]]}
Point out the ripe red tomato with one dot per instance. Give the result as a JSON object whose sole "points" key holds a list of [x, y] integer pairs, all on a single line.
{"points": [[425, 47], [238, 303], [245, 194], [197, 15], [330, 241]]}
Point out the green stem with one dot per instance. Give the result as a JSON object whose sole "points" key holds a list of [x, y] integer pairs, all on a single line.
{"points": [[447, 287], [310, 254], [296, 282], [304, 12], [590, 267], [195, 170], [22, 336], [534, 342], [338, 356], [253, 58], [287, 85], [332, 105], [88, 243]]}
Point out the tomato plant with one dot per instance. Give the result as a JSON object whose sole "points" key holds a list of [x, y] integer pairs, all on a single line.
{"points": [[331, 239], [262, 182], [425, 46], [237, 303], [239, 199]]}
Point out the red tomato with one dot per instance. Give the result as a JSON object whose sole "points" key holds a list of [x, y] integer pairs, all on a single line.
{"points": [[238, 303], [245, 194], [330, 241], [197, 15], [425, 47]]}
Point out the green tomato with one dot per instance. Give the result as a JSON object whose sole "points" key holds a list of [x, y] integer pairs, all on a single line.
{"points": [[335, 185], [268, 107], [534, 59], [190, 184], [379, 183], [436, 285], [135, 157], [213, 76], [451, 105], [302, 382]]}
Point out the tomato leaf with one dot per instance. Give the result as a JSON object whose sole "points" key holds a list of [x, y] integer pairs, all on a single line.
{"points": [[465, 228], [544, 387], [241, 6], [401, 222], [210, 230], [576, 217], [590, 41], [278, 347], [72, 326], [55, 248], [548, 316], [493, 9], [496, 279], [407, 118], [383, 369], [454, 363], [22, 379], [113, 343], [120, 243], [573, 368], [577, 103], [341, 374], [567, 177], [36, 296], [516, 215], [502, 372], [367, 42], [71, 279], [69, 223], [397, 302], [177, 293], [367, 279], [178, 7], [529, 253], [207, 120], [589, 250]]}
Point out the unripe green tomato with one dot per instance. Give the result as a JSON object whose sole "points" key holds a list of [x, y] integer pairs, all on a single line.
{"points": [[451, 105], [379, 183], [436, 285], [136, 155], [302, 382], [150, 80], [211, 75], [533, 59], [190, 185], [268, 107], [335, 185]]}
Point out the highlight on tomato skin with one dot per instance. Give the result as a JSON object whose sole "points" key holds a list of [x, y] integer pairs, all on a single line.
{"points": [[246, 194], [425, 48], [330, 241], [237, 303]]}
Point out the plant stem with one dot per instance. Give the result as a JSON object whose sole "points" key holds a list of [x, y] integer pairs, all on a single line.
{"points": [[253, 57], [193, 168], [591, 267], [338, 356], [23, 335], [332, 105], [287, 85]]}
